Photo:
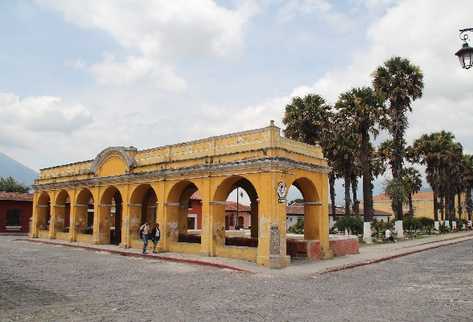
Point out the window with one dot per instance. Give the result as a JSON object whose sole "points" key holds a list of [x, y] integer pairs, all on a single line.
{"points": [[13, 217], [191, 223]]}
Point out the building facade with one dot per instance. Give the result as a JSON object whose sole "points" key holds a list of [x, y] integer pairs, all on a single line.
{"points": [[15, 212], [422, 202], [105, 200]]}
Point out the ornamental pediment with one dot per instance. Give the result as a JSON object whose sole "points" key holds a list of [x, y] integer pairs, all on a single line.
{"points": [[113, 161]]}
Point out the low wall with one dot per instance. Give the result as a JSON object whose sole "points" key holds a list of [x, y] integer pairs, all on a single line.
{"points": [[340, 246]]}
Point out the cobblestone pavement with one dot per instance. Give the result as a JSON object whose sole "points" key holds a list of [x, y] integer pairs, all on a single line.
{"points": [[54, 283]]}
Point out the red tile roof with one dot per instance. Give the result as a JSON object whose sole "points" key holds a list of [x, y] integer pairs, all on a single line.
{"points": [[231, 206], [16, 196]]}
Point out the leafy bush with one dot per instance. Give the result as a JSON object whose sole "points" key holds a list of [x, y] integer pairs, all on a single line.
{"points": [[411, 224], [379, 227], [298, 228], [353, 224], [427, 224]]}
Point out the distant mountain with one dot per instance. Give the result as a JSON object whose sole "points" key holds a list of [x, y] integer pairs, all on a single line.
{"points": [[13, 168]]}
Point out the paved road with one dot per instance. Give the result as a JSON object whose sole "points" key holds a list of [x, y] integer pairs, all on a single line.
{"points": [[53, 283]]}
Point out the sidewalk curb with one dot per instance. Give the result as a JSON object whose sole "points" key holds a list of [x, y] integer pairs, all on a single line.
{"points": [[448, 242], [153, 257]]}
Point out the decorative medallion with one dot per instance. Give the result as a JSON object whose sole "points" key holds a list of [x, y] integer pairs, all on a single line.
{"points": [[282, 191]]}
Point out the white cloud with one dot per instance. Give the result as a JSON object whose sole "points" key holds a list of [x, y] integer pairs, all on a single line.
{"points": [[156, 33], [426, 34], [42, 113]]}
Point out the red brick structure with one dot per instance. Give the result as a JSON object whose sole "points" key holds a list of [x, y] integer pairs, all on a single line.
{"points": [[15, 212]]}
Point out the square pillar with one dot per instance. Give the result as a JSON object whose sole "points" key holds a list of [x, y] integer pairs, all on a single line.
{"points": [[272, 223], [52, 221]]}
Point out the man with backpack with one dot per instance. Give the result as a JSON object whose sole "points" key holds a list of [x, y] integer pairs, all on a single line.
{"points": [[145, 235], [155, 236]]}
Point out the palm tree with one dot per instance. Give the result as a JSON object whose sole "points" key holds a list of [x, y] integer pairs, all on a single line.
{"points": [[344, 154], [468, 180], [362, 111], [442, 157], [310, 120], [412, 184], [399, 83]]}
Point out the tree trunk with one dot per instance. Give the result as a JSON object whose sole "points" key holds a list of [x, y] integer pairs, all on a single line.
{"points": [[331, 180], [397, 154], [367, 178], [469, 202], [354, 192], [442, 207], [459, 201], [451, 206], [411, 208], [347, 196], [436, 206]]}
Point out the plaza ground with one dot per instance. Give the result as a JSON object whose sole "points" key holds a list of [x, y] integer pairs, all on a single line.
{"points": [[41, 282]]}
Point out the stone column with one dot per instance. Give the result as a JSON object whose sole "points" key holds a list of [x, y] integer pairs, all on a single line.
{"points": [[272, 223], [161, 215], [322, 216], [52, 221], [34, 222]]}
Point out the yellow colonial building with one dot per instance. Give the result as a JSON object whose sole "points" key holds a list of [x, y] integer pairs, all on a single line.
{"points": [[422, 202], [105, 200]]}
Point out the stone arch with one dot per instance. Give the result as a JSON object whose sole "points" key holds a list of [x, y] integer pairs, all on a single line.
{"points": [[311, 206], [178, 202], [63, 211], [110, 216], [85, 212], [44, 211], [220, 201], [125, 154], [143, 208]]}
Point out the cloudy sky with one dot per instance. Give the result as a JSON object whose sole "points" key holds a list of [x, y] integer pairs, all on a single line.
{"points": [[78, 76]]}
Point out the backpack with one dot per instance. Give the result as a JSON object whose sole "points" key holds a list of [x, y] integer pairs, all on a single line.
{"points": [[141, 232]]}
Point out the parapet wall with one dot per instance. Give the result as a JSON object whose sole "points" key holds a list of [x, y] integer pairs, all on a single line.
{"points": [[241, 146]]}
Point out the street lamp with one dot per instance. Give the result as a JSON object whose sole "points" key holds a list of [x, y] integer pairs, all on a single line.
{"points": [[465, 54]]}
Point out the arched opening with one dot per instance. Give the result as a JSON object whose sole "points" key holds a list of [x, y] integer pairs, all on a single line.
{"points": [[85, 212], [110, 224], [44, 212], [63, 212], [184, 208], [302, 217], [295, 213], [143, 208], [239, 212]]}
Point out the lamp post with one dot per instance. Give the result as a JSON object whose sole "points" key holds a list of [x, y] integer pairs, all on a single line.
{"points": [[465, 54]]}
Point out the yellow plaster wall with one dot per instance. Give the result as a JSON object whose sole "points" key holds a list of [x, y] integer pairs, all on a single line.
{"points": [[243, 146]]}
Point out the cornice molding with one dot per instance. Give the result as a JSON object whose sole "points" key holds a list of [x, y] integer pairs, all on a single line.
{"points": [[263, 165]]}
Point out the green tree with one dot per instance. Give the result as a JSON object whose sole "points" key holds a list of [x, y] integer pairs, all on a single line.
{"points": [[310, 120], [398, 83], [9, 184], [363, 112], [443, 158], [412, 184], [468, 180]]}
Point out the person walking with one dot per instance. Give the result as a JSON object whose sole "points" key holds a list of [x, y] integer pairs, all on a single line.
{"points": [[155, 236], [145, 234]]}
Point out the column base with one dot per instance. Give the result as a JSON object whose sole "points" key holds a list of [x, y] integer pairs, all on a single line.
{"points": [[367, 233], [437, 225], [274, 261], [398, 229]]}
